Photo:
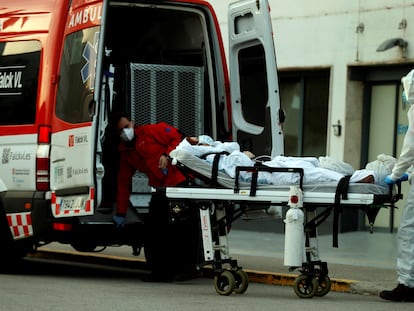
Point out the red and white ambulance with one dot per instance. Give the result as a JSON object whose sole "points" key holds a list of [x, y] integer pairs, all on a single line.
{"points": [[66, 65]]}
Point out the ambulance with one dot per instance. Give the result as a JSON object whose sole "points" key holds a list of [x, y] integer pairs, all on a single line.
{"points": [[67, 65]]}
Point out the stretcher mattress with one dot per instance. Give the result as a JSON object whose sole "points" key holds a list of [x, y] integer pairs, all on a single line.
{"points": [[357, 193]]}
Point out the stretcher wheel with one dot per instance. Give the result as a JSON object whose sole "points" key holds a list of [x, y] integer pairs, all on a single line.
{"points": [[225, 283], [324, 286], [242, 281], [305, 286]]}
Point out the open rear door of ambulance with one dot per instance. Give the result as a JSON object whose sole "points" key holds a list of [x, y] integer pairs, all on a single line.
{"points": [[257, 115], [74, 134]]}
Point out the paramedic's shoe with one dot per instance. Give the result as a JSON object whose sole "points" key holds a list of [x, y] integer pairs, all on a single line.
{"points": [[400, 293]]}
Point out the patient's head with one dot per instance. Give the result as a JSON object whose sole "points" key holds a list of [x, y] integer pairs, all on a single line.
{"points": [[202, 140]]}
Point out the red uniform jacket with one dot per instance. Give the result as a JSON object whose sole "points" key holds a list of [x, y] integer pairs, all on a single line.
{"points": [[142, 154]]}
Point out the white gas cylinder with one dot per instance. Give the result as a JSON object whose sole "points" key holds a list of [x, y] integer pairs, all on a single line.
{"points": [[294, 238]]}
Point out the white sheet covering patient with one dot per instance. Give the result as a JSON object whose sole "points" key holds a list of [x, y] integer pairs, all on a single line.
{"points": [[316, 171]]}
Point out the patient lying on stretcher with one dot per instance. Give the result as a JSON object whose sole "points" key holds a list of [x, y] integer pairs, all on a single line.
{"points": [[316, 171]]}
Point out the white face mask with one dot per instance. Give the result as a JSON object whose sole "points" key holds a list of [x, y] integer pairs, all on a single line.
{"points": [[127, 134]]}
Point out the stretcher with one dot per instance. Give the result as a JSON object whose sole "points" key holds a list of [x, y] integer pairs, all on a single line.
{"points": [[222, 199]]}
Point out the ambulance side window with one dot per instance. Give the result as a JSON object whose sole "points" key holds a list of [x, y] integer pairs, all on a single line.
{"points": [[77, 76], [19, 75], [253, 84]]}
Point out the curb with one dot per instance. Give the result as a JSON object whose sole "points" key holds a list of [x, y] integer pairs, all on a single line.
{"points": [[284, 279], [271, 278]]}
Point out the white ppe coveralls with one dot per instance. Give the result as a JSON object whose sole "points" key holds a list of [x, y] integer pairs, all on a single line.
{"points": [[405, 258]]}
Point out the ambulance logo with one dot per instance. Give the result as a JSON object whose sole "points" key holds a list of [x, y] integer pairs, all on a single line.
{"points": [[77, 140], [11, 78], [71, 142], [5, 156], [8, 155], [89, 54]]}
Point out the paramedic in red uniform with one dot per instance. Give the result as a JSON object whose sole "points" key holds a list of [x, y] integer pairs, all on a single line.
{"points": [[170, 249]]}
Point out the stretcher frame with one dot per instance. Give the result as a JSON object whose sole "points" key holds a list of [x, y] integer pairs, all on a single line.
{"points": [[220, 206]]}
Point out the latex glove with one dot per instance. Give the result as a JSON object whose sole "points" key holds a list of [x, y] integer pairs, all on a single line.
{"points": [[119, 221], [404, 177], [389, 181]]}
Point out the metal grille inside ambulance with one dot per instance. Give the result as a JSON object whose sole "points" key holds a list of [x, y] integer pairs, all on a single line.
{"points": [[168, 93]]}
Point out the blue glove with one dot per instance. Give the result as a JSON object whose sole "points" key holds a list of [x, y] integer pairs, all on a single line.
{"points": [[404, 177], [119, 221], [389, 181]]}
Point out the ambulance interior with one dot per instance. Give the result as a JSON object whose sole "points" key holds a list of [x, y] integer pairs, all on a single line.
{"points": [[162, 60]]}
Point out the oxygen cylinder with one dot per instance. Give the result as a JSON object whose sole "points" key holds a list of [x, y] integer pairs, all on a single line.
{"points": [[294, 231]]}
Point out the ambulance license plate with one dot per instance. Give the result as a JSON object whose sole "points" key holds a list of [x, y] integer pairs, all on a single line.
{"points": [[73, 204]]}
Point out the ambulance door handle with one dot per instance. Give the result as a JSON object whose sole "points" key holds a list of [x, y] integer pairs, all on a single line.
{"points": [[282, 116], [91, 108], [100, 170]]}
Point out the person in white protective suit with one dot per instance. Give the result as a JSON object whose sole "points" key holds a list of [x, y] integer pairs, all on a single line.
{"points": [[405, 259]]}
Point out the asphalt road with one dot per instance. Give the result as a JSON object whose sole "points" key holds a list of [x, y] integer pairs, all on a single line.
{"points": [[44, 284]]}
